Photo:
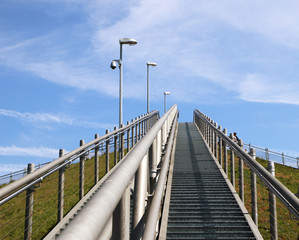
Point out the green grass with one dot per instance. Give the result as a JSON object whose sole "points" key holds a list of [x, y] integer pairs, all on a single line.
{"points": [[12, 213]]}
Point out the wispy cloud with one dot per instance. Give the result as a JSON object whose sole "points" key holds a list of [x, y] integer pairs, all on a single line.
{"points": [[50, 118], [32, 151], [189, 40]]}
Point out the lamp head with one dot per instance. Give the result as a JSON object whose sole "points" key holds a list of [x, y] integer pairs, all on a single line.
{"points": [[151, 64], [130, 41], [166, 93]]}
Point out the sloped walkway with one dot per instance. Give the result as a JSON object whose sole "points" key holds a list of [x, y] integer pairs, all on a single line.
{"points": [[202, 205]]}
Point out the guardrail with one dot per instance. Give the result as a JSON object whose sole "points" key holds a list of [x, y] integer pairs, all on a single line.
{"points": [[273, 156], [43, 198], [107, 213], [265, 212]]}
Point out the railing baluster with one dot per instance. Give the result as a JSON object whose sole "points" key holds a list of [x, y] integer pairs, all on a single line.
{"points": [[29, 207], [60, 190], [96, 162], [81, 173], [241, 173], [115, 147], [232, 164], [225, 153], [272, 206], [253, 190], [107, 152]]}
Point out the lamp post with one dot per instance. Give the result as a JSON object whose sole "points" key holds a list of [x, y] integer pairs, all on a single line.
{"points": [[165, 93], [131, 42], [149, 64]]}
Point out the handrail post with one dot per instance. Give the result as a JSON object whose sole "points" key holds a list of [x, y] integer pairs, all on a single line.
{"points": [[29, 207], [254, 209], [121, 144], [136, 131], [215, 142], [232, 164], [107, 152], [139, 129], [283, 160], [96, 162], [60, 190], [241, 173], [220, 147], [225, 153], [115, 147], [140, 192], [272, 206], [153, 163], [81, 173], [128, 138], [212, 138], [121, 218]]}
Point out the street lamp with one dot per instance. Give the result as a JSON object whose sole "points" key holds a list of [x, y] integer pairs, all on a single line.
{"points": [[149, 64], [131, 42], [165, 93]]}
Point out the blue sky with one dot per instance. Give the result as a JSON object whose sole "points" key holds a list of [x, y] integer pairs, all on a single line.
{"points": [[236, 61]]}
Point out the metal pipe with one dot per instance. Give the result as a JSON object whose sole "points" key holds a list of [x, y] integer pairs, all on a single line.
{"points": [[284, 194], [38, 173], [91, 220], [153, 214]]}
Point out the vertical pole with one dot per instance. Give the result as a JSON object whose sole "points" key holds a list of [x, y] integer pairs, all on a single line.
{"points": [[215, 143], [60, 190], [153, 164], [241, 174], [121, 218], [212, 142], [282, 157], [297, 162], [147, 88], [220, 147], [136, 131], [107, 152], [132, 133], [120, 87], [140, 192], [81, 174], [164, 103], [267, 154], [232, 164], [272, 206], [225, 153], [115, 147], [96, 162], [121, 144], [29, 207], [253, 190], [139, 129], [128, 138]]}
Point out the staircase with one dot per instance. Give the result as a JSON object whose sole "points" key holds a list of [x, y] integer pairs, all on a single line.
{"points": [[202, 205]]}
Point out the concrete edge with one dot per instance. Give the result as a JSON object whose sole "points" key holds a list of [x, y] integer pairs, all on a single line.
{"points": [[164, 217], [247, 216]]}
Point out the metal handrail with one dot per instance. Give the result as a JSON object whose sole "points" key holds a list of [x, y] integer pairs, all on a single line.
{"points": [[284, 194], [91, 220], [153, 214], [266, 150], [18, 186]]}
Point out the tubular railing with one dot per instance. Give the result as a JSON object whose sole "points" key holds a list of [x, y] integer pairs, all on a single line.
{"points": [[258, 195], [107, 213], [273, 156], [31, 206]]}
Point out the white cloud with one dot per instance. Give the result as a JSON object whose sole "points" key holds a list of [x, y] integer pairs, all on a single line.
{"points": [[33, 151], [204, 44], [259, 88], [50, 118]]}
